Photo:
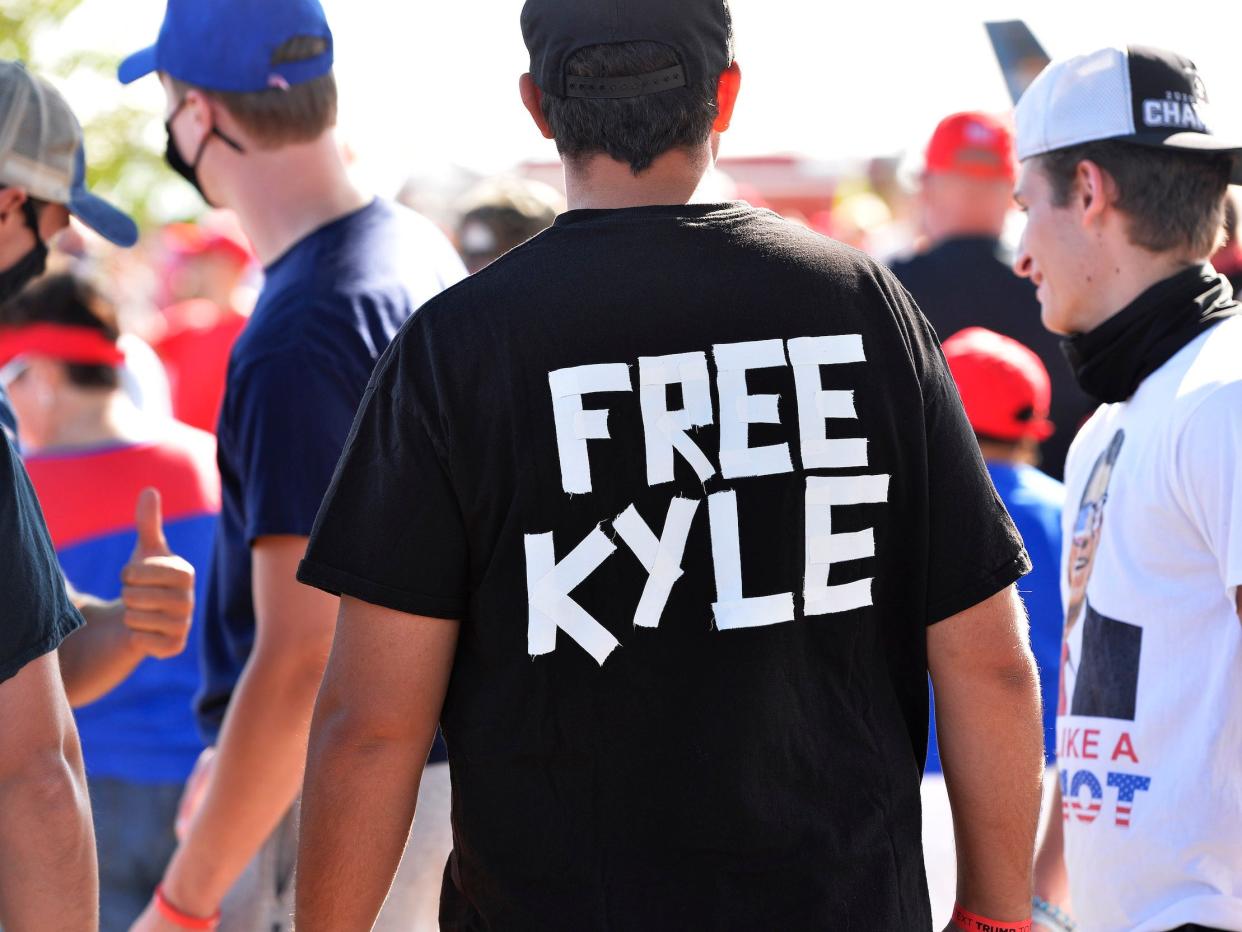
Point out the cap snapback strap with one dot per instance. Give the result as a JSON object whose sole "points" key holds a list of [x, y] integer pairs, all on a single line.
{"points": [[626, 86]]}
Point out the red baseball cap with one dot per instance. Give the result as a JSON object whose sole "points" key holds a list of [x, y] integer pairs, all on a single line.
{"points": [[219, 231], [975, 144], [1004, 386]]}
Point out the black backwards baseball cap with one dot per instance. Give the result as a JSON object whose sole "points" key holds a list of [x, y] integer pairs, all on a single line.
{"points": [[700, 32], [1139, 95]]}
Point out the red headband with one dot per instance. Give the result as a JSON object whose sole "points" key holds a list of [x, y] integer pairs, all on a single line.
{"points": [[84, 346]]}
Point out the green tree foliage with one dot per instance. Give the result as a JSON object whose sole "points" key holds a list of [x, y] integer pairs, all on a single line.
{"points": [[120, 164]]}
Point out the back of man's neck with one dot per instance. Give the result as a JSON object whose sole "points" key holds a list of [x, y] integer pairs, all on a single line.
{"points": [[93, 418], [289, 193], [598, 182]]}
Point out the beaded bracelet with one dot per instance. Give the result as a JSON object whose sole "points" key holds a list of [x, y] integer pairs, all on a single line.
{"points": [[1053, 916]]}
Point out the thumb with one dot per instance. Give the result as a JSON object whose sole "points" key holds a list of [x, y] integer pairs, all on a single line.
{"points": [[150, 524]]}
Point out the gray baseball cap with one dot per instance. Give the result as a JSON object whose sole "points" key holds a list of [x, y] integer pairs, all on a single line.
{"points": [[41, 151]]}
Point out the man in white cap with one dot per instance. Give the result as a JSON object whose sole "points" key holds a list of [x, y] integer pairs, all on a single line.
{"points": [[1124, 186], [46, 841]]}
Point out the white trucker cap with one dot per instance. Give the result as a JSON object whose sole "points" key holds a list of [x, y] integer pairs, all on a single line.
{"points": [[41, 152], [1136, 94]]}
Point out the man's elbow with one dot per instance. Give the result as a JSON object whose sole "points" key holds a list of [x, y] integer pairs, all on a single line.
{"points": [[292, 666], [343, 727], [46, 790]]}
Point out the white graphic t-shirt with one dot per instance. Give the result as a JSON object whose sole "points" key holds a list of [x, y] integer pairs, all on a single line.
{"points": [[1149, 726]]}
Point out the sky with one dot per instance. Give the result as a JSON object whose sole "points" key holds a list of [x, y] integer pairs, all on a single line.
{"points": [[426, 86]]}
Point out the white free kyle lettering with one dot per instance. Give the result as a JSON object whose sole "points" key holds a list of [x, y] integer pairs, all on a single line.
{"points": [[667, 432], [550, 583]]}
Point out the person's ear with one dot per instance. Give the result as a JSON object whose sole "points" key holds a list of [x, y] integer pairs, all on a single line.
{"points": [[727, 89], [11, 200], [532, 100], [1094, 191]]}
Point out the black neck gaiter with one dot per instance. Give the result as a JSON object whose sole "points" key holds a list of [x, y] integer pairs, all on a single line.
{"points": [[1111, 361]]}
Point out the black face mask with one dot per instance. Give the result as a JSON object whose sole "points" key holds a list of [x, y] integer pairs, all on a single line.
{"points": [[177, 162], [29, 266]]}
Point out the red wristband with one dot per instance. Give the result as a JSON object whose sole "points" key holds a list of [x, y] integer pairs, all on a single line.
{"points": [[972, 923], [180, 919]]}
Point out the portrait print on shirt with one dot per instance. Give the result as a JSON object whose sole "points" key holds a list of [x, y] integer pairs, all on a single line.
{"points": [[1105, 671]]}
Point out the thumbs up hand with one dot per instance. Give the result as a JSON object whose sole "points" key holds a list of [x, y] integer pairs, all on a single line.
{"points": [[158, 593]]}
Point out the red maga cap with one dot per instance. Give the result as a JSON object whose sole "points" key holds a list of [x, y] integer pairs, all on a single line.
{"points": [[1004, 386], [975, 144], [84, 346]]}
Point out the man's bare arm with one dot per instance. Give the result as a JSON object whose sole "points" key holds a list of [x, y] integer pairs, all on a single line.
{"points": [[1051, 877], [991, 744], [373, 727], [261, 754], [48, 878]]}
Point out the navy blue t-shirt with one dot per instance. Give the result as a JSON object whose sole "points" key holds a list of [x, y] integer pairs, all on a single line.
{"points": [[329, 307], [35, 611]]}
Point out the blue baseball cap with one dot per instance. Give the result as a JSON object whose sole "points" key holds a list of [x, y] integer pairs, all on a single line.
{"points": [[106, 220], [229, 45]]}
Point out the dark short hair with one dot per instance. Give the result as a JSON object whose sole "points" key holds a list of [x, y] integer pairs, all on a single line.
{"points": [[635, 130], [280, 116], [1175, 200], [68, 299]]}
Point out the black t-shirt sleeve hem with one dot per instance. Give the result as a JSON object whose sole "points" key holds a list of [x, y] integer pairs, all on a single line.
{"points": [[291, 528], [981, 589], [339, 582], [68, 622]]}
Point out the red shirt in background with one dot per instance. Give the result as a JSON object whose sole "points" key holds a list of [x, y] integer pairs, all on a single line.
{"points": [[195, 351]]}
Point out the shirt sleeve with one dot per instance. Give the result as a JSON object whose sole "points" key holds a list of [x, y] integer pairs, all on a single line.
{"points": [[1209, 465], [391, 530], [973, 548], [292, 417], [35, 612]]}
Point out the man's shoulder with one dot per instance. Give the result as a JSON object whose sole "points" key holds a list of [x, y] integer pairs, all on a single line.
{"points": [[1201, 381]]}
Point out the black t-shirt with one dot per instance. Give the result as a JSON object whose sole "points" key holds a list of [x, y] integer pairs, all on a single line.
{"points": [[970, 282], [35, 611], [667, 711]]}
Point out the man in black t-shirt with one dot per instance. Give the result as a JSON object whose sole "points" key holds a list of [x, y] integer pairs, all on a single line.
{"points": [[965, 279], [665, 516]]}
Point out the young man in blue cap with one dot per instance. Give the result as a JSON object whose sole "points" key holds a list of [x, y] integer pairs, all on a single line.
{"points": [[251, 111], [664, 516], [46, 840]]}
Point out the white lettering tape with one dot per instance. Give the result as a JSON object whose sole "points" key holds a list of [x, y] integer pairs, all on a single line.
{"points": [[549, 584], [739, 409], [574, 425], [662, 557], [824, 548], [731, 608], [665, 431], [815, 405]]}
